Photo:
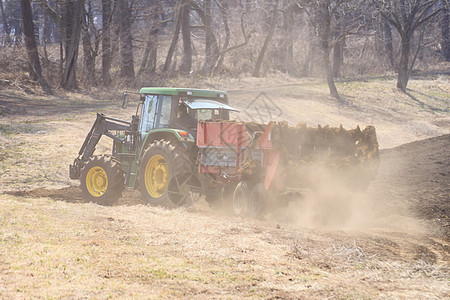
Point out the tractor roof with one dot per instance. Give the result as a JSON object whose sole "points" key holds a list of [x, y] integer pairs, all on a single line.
{"points": [[183, 92]]}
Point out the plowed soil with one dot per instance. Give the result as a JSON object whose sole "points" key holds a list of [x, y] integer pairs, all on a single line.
{"points": [[394, 243]]}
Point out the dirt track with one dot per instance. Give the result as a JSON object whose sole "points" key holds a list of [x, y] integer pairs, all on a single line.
{"points": [[395, 245]]}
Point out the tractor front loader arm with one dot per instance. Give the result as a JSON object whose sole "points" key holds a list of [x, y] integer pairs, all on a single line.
{"points": [[102, 126]]}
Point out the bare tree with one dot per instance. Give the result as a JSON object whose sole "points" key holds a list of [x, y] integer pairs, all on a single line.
{"points": [[30, 44], [126, 42], [186, 63], [72, 26], [290, 10], [327, 17], [148, 63], [214, 51], [211, 46], [90, 50], [5, 23], [445, 26], [176, 34], [406, 17], [226, 47], [106, 41], [338, 49], [256, 71], [387, 30]]}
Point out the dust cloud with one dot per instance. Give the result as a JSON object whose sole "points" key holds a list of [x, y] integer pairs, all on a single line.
{"points": [[332, 202]]}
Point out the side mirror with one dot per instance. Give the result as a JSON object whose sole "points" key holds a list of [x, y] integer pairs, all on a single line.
{"points": [[125, 100]]}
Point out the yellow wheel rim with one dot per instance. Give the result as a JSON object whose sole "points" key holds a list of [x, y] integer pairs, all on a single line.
{"points": [[97, 181], [156, 176]]}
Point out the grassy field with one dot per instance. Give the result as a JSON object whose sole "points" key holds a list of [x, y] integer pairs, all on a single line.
{"points": [[54, 245]]}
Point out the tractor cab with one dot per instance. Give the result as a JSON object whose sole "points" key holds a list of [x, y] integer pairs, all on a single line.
{"points": [[173, 108]]}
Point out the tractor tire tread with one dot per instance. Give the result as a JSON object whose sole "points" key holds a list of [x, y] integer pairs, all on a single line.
{"points": [[178, 161], [115, 179]]}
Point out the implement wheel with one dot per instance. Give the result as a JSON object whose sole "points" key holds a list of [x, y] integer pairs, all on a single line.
{"points": [[257, 201], [102, 180], [164, 167], [240, 198]]}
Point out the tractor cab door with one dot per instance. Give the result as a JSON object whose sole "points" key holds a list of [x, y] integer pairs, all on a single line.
{"points": [[155, 113]]}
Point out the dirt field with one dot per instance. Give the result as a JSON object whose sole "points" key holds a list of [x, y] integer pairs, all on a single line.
{"points": [[394, 244]]}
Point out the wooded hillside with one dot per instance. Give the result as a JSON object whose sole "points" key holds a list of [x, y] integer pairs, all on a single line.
{"points": [[74, 44]]}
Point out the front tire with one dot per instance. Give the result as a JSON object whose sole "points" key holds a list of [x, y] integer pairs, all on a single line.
{"points": [[102, 180], [160, 163]]}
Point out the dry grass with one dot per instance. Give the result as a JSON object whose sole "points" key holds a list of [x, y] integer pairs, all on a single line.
{"points": [[91, 251], [59, 249]]}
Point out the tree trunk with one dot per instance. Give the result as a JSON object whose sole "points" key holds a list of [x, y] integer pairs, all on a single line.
{"points": [[148, 63], [73, 15], [186, 63], [44, 31], [106, 42], [338, 57], [34, 7], [89, 55], [446, 34], [338, 49], [211, 47], [289, 23], [176, 34], [324, 32], [226, 42], [115, 33], [126, 42], [30, 44], [68, 23], [310, 60], [403, 67], [60, 29], [5, 24], [388, 42], [329, 72], [256, 71]]}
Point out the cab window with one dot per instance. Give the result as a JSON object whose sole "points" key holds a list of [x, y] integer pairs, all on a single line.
{"points": [[148, 113], [164, 111], [204, 114], [208, 114]]}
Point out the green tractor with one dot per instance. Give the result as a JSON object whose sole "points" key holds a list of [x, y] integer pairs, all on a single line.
{"points": [[155, 152], [181, 144]]}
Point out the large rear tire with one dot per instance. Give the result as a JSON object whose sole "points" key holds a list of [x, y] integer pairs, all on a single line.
{"points": [[102, 180], [165, 176]]}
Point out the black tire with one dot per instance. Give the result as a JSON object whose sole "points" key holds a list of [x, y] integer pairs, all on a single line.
{"points": [[240, 198], [184, 190], [160, 164], [102, 180], [257, 201]]}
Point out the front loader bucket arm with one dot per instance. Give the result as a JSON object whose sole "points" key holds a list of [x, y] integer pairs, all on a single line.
{"points": [[102, 126]]}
